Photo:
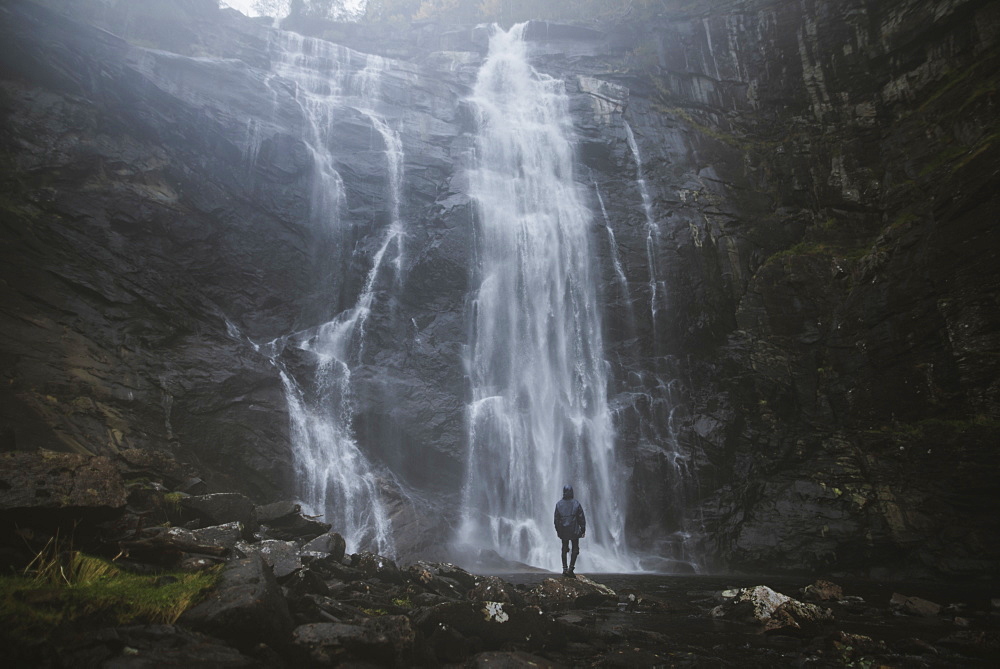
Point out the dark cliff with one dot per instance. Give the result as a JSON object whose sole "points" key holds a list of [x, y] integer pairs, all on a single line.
{"points": [[804, 361]]}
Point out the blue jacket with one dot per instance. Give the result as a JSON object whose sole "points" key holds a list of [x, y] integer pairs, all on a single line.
{"points": [[569, 519]]}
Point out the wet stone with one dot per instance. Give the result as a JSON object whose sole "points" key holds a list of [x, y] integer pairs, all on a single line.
{"points": [[220, 509]]}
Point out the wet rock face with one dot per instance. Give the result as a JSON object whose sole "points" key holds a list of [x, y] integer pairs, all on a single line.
{"points": [[824, 330]]}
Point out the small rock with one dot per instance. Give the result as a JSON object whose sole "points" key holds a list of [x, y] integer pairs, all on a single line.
{"points": [[822, 591], [914, 606]]}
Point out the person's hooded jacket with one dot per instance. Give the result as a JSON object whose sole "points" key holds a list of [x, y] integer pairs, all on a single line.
{"points": [[569, 519]]}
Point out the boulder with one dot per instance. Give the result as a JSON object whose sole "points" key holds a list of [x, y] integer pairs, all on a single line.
{"points": [[795, 617], [221, 508], [159, 466], [330, 543], [326, 566], [440, 579], [46, 481], [377, 566], [775, 611], [914, 606], [561, 593], [224, 536], [284, 520], [282, 556], [754, 604], [384, 640], [246, 607], [495, 589], [304, 582], [822, 591]]}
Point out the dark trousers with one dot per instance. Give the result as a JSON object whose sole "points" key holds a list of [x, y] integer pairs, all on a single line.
{"points": [[565, 549]]}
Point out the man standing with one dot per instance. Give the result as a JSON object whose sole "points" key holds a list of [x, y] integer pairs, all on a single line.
{"points": [[571, 525]]}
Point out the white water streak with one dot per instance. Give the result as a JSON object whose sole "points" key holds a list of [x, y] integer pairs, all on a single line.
{"points": [[336, 478], [652, 227]]}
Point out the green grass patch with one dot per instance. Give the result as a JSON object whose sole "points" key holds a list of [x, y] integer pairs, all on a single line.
{"points": [[62, 589]]}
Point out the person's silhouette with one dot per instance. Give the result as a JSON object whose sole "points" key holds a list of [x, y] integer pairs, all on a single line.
{"points": [[571, 526]]}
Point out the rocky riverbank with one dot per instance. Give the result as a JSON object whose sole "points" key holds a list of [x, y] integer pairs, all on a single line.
{"points": [[277, 588]]}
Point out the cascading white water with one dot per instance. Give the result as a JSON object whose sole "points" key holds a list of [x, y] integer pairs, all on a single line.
{"points": [[652, 227], [538, 416], [336, 478]]}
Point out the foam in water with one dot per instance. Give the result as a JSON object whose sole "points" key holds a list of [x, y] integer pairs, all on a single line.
{"points": [[538, 416]]}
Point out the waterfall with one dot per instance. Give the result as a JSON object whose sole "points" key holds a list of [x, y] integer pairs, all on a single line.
{"points": [[538, 415], [652, 227], [336, 479]]}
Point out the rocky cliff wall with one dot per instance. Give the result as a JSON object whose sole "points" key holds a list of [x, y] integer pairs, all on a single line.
{"points": [[804, 354]]}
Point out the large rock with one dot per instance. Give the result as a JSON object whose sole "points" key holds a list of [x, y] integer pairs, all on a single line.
{"points": [[562, 593], [774, 611], [377, 566], [246, 607], [284, 520], [330, 543], [56, 492], [50, 480], [495, 589]]}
